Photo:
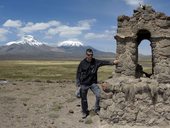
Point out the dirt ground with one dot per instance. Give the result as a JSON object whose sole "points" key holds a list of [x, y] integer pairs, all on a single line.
{"points": [[45, 104]]}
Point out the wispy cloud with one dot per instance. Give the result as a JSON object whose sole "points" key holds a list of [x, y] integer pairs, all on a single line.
{"points": [[106, 35], [50, 28], [86, 24], [134, 2], [3, 33], [53, 28], [67, 31], [33, 27], [13, 23], [64, 30]]}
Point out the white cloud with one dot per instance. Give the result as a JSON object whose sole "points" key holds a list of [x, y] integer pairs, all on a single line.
{"points": [[71, 31], [106, 35], [134, 2], [50, 28], [3, 33], [86, 24], [13, 23], [65, 31], [32, 27], [94, 36]]}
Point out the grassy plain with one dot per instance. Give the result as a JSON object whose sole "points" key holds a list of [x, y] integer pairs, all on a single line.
{"points": [[147, 65], [45, 70], [50, 70]]}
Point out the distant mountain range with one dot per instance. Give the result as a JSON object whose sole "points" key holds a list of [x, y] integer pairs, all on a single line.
{"points": [[29, 48]]}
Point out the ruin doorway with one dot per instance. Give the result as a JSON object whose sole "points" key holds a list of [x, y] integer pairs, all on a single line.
{"points": [[144, 59], [145, 55]]}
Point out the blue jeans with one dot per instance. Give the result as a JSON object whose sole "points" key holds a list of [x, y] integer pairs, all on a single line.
{"points": [[83, 91]]}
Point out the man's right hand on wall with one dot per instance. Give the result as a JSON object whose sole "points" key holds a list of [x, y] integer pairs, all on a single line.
{"points": [[115, 61]]}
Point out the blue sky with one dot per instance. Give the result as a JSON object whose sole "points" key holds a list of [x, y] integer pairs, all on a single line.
{"points": [[93, 22]]}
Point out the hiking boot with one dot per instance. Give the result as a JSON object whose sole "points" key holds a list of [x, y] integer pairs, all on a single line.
{"points": [[97, 111], [84, 115]]}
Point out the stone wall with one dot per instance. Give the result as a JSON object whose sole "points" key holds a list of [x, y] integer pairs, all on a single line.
{"points": [[145, 23], [142, 101], [129, 97]]}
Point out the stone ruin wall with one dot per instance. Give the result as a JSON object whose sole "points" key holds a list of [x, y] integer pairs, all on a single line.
{"points": [[139, 101], [142, 102], [158, 26]]}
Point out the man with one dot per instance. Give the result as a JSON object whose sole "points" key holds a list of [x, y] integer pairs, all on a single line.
{"points": [[87, 79]]}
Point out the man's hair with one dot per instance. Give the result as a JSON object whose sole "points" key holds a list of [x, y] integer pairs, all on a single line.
{"points": [[89, 50]]}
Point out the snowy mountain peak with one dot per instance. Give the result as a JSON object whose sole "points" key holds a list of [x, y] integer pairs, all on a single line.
{"points": [[27, 39], [70, 43]]}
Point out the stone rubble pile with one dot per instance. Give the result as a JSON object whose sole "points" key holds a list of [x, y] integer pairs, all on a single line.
{"points": [[141, 101]]}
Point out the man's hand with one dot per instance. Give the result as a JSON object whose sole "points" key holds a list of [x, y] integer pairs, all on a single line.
{"points": [[115, 62], [78, 92]]}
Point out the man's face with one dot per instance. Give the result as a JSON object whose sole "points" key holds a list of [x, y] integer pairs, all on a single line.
{"points": [[89, 56]]}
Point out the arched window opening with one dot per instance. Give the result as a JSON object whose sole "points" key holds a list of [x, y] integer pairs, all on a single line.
{"points": [[144, 63]]}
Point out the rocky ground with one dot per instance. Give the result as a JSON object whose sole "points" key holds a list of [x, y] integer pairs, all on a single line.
{"points": [[45, 104]]}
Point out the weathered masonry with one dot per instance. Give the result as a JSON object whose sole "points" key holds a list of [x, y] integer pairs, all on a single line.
{"points": [[148, 24], [128, 99]]}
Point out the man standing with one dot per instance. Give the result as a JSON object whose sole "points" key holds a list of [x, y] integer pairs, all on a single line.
{"points": [[86, 79]]}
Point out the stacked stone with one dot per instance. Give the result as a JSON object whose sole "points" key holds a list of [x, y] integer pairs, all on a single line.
{"points": [[141, 101], [145, 23]]}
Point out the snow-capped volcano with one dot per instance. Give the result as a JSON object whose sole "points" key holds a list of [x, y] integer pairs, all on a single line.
{"points": [[29, 48], [70, 43], [27, 39]]}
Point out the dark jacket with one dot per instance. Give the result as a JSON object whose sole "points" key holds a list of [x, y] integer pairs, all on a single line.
{"points": [[87, 71]]}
